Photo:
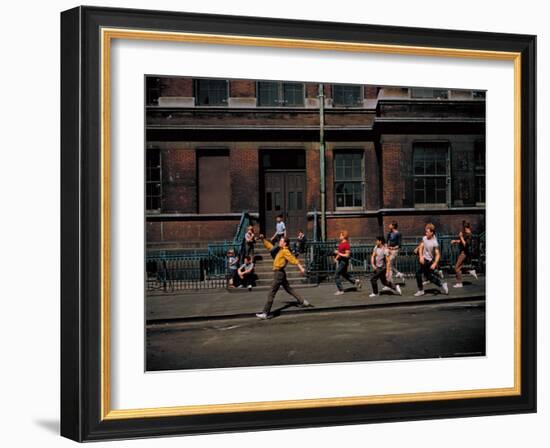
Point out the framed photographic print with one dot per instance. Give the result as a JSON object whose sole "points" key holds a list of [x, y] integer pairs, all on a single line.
{"points": [[276, 224]]}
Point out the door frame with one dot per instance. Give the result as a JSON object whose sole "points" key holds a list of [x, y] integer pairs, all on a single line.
{"points": [[263, 172]]}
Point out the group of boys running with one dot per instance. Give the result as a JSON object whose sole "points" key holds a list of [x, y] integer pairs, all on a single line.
{"points": [[382, 261]]}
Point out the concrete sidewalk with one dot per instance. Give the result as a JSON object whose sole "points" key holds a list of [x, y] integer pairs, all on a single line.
{"points": [[221, 304]]}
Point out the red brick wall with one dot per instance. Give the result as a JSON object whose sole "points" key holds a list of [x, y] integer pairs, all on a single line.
{"points": [[372, 178], [176, 87], [313, 178], [392, 179], [312, 90], [445, 224], [242, 89], [330, 177], [244, 169], [371, 92], [360, 226], [193, 230], [179, 181]]}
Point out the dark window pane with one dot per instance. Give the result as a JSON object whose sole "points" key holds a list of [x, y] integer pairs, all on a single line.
{"points": [[430, 167], [277, 200], [268, 205], [211, 92], [430, 191], [440, 167], [421, 92], [291, 200], [293, 94], [268, 94], [346, 95], [299, 201]]}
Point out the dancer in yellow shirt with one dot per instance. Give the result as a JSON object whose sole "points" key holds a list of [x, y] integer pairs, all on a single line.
{"points": [[281, 257]]}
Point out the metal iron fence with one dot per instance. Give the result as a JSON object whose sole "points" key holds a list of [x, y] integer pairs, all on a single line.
{"points": [[194, 269], [205, 269], [321, 265]]}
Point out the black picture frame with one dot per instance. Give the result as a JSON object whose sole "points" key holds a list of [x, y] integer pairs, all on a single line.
{"points": [[81, 209]]}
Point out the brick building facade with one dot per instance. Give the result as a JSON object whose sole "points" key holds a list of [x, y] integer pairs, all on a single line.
{"points": [[216, 148]]}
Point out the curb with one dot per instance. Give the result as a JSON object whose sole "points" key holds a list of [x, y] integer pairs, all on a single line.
{"points": [[294, 310]]}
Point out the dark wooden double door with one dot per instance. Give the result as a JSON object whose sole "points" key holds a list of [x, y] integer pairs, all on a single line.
{"points": [[285, 194]]}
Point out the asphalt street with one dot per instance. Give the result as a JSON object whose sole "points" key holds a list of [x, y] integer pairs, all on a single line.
{"points": [[432, 330]]}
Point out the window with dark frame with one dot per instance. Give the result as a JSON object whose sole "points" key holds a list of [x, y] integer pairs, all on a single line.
{"points": [[348, 179], [153, 179], [421, 92], [211, 92], [347, 95], [431, 172], [479, 170], [152, 88], [478, 95], [280, 94]]}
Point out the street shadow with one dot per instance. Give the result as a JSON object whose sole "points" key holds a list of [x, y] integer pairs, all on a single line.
{"points": [[51, 426], [433, 291], [277, 312]]}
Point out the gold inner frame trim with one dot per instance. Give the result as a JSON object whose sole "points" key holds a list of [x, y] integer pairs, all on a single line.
{"points": [[107, 35]]}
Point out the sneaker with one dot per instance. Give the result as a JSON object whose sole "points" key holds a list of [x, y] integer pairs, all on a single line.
{"points": [[358, 284], [305, 304], [457, 285], [262, 316], [419, 293], [249, 287], [445, 288], [373, 295], [440, 273], [399, 275], [473, 273], [425, 282], [240, 286], [398, 290], [338, 293], [386, 288]]}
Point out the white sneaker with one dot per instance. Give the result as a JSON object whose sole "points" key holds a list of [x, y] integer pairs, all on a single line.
{"points": [[399, 275], [440, 273], [249, 287], [473, 273], [398, 290], [419, 293], [425, 282], [445, 288], [240, 286], [262, 316], [457, 285], [338, 293], [373, 295], [386, 288], [358, 284]]}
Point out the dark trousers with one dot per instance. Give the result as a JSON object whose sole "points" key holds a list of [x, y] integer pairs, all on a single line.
{"points": [[279, 279], [342, 271], [249, 250], [248, 279], [380, 274], [428, 272]]}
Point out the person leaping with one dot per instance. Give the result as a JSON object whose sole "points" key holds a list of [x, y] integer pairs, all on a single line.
{"points": [[281, 257]]}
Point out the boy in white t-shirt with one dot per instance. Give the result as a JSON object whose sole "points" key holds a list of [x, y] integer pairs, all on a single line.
{"points": [[428, 257], [280, 230], [381, 265]]}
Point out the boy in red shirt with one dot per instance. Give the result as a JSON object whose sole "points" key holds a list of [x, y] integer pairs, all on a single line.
{"points": [[342, 257]]}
